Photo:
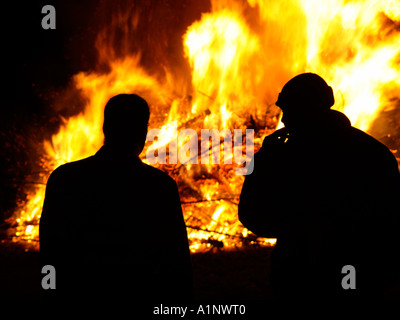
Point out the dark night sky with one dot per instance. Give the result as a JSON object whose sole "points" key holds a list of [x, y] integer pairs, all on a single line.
{"points": [[38, 61]]}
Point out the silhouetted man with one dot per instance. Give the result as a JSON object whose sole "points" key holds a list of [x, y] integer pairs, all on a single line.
{"points": [[111, 225], [327, 192]]}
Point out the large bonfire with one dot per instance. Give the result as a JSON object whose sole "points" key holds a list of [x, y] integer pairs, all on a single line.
{"points": [[240, 54]]}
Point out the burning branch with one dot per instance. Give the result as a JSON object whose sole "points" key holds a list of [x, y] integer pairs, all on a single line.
{"points": [[251, 239], [231, 200]]}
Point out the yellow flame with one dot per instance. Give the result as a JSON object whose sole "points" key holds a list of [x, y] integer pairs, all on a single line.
{"points": [[220, 48], [240, 55], [346, 48]]}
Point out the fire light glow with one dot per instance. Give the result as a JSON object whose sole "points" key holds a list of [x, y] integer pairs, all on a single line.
{"points": [[240, 55]]}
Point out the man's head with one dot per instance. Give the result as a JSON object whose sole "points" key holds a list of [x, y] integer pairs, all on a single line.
{"points": [[304, 98], [126, 118]]}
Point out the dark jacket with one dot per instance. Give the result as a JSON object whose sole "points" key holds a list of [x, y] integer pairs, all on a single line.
{"points": [[113, 227], [329, 196]]}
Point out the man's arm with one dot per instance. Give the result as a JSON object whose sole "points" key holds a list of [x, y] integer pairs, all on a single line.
{"points": [[177, 266], [261, 197], [51, 226]]}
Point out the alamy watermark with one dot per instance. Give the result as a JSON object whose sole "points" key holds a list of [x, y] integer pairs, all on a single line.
{"points": [[49, 20], [349, 280], [184, 147]]}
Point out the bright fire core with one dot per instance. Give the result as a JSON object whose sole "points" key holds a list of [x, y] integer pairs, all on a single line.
{"points": [[240, 55]]}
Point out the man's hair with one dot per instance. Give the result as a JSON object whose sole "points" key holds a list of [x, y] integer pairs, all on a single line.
{"points": [[126, 117]]}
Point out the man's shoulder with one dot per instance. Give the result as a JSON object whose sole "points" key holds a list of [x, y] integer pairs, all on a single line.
{"points": [[369, 148], [78, 170], [71, 169], [365, 140], [157, 174]]}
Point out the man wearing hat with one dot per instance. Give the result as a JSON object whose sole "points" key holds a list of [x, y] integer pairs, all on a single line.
{"points": [[327, 192]]}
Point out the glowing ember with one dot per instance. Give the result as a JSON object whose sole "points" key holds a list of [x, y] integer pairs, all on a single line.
{"points": [[240, 56]]}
